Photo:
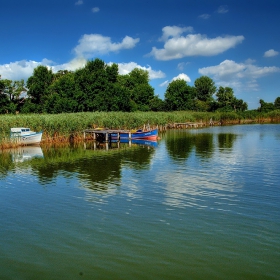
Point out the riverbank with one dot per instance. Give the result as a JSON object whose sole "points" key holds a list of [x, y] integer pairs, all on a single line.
{"points": [[70, 127]]}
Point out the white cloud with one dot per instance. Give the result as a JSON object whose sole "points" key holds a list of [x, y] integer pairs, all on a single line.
{"points": [[95, 10], [182, 76], [24, 69], [238, 75], [182, 65], [270, 53], [18, 70], [174, 31], [79, 2], [223, 9], [73, 65], [91, 44], [125, 68], [192, 44], [205, 16], [164, 84]]}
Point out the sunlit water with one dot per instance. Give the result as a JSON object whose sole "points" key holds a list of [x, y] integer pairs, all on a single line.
{"points": [[202, 204]]}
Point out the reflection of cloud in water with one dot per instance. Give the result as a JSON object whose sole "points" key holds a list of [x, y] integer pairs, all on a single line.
{"points": [[186, 189]]}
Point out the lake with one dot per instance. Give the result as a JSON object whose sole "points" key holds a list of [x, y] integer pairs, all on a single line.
{"points": [[198, 204]]}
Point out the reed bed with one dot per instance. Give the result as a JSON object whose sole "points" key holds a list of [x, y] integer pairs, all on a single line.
{"points": [[62, 127]]}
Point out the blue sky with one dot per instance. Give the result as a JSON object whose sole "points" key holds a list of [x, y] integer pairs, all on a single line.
{"points": [[234, 42]]}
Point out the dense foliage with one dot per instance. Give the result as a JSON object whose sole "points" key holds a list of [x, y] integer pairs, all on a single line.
{"points": [[99, 87]]}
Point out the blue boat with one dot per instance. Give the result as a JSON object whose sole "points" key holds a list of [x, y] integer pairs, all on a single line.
{"points": [[139, 134]]}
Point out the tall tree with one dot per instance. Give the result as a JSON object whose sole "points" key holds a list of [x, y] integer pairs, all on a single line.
{"points": [[266, 106], [141, 92], [62, 94], [38, 85], [226, 101], [225, 97], [92, 84], [277, 103], [205, 88], [4, 100], [179, 96]]}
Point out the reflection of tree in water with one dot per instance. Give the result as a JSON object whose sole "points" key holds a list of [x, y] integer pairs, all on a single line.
{"points": [[96, 170], [180, 144], [226, 140], [139, 159], [6, 163], [204, 144]]}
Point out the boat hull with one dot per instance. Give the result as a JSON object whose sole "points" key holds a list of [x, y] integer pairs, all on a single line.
{"points": [[30, 139], [146, 135]]}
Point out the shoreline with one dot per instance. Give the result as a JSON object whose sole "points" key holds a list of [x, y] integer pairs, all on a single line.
{"points": [[77, 137]]}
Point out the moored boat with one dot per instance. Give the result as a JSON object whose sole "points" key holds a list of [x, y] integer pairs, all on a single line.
{"points": [[139, 134], [25, 136]]}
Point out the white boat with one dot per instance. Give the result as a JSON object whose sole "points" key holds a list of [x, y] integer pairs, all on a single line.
{"points": [[24, 135]]}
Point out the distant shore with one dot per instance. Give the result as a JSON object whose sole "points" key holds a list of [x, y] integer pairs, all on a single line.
{"points": [[69, 127]]}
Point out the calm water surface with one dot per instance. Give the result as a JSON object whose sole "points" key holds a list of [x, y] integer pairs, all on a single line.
{"points": [[201, 204]]}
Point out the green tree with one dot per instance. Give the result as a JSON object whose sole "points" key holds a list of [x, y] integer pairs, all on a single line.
{"points": [[156, 104], [62, 94], [4, 100], [225, 97], [179, 96], [266, 106], [12, 90], [38, 86], [277, 103], [226, 101], [92, 86], [205, 88], [141, 92]]}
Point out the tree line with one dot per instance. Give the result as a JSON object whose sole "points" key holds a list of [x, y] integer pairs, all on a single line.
{"points": [[99, 87]]}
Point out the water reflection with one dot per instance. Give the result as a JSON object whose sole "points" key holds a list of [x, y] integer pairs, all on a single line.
{"points": [[19, 157], [97, 166], [226, 140], [180, 144]]}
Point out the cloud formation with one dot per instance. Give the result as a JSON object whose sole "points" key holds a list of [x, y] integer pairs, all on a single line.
{"points": [[20, 69], [125, 68], [270, 53], [223, 9], [92, 44], [182, 76], [95, 10], [79, 2], [174, 31], [24, 69], [204, 16], [177, 46], [238, 75]]}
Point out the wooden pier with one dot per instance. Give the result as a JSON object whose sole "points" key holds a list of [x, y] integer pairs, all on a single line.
{"points": [[189, 125], [105, 134]]}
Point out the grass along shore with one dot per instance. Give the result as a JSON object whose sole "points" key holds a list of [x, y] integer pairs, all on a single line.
{"points": [[62, 127]]}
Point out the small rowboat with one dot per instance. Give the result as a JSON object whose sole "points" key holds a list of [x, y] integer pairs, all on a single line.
{"points": [[25, 136], [139, 134]]}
